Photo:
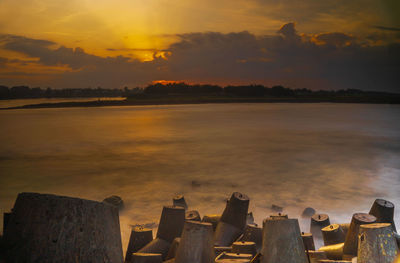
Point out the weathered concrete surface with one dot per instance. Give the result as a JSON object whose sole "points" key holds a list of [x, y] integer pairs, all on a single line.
{"points": [[351, 241], [51, 228], [213, 219], [226, 234], [318, 221], [308, 241], [146, 258], [157, 246], [235, 212], [171, 223], [139, 238], [192, 215], [243, 247], [233, 220], [196, 245], [282, 242], [174, 247], [376, 244], [253, 233], [333, 234], [334, 252], [383, 210], [316, 256]]}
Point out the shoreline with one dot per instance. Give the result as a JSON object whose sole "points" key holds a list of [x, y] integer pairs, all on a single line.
{"points": [[190, 100]]}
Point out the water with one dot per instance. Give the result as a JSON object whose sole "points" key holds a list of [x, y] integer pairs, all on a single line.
{"points": [[336, 158]]}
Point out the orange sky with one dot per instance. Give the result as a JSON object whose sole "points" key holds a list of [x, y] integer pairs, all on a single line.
{"points": [[144, 29]]}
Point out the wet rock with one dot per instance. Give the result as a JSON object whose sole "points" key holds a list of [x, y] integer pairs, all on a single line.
{"points": [[196, 184], [115, 201], [308, 212], [277, 208], [192, 215]]}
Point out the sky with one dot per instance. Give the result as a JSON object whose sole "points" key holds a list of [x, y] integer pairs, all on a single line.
{"points": [[330, 44]]}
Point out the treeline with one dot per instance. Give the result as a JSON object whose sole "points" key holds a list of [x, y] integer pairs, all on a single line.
{"points": [[180, 89], [25, 92], [248, 91]]}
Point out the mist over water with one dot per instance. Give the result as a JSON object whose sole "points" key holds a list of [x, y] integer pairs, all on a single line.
{"points": [[336, 158]]}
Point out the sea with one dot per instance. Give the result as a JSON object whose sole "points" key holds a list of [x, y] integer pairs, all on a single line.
{"points": [[335, 158]]}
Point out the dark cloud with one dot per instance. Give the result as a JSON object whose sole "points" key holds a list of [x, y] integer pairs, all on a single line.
{"points": [[396, 29], [288, 30], [3, 62], [336, 60], [137, 49], [336, 39], [330, 60]]}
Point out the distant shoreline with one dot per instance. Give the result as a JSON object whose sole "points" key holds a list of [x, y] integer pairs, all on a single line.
{"points": [[206, 100]]}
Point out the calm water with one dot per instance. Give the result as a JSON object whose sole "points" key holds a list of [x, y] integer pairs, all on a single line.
{"points": [[336, 158]]}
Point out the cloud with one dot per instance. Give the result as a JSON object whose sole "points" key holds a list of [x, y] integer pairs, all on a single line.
{"points": [[330, 60], [137, 49], [335, 39], [3, 62], [396, 29]]}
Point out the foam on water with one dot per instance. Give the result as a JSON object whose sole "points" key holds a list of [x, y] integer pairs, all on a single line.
{"points": [[336, 158]]}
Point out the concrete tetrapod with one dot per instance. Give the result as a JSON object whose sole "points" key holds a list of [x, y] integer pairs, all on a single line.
{"points": [[397, 236], [334, 261], [334, 252], [253, 233], [383, 210], [6, 217], [308, 241], [156, 246], [234, 256], [213, 219], [139, 238], [333, 234], [318, 221], [179, 200], [225, 234], [146, 258], [243, 247], [279, 215], [282, 242], [51, 228], [171, 225], [233, 220], [174, 247], [196, 245], [192, 215], [376, 244], [220, 250], [351, 241], [316, 256]]}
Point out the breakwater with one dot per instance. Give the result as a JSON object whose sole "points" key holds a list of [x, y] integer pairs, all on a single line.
{"points": [[50, 228]]}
